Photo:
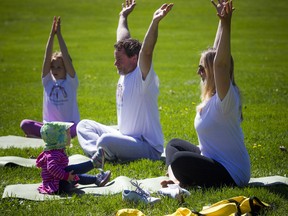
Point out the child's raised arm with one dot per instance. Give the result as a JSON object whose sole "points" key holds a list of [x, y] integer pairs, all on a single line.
{"points": [[49, 50], [66, 58]]}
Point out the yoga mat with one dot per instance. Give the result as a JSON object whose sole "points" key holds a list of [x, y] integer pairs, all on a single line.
{"points": [[30, 192], [20, 142], [24, 142], [26, 162], [268, 181]]}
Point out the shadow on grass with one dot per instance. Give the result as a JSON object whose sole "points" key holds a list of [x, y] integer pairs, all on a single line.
{"points": [[280, 189]]}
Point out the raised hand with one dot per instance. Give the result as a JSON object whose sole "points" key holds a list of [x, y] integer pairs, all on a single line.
{"points": [[162, 11], [128, 7], [224, 8], [54, 24], [58, 25]]}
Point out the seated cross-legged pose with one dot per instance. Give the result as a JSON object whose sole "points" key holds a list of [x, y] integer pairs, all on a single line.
{"points": [[140, 134], [221, 157], [60, 83]]}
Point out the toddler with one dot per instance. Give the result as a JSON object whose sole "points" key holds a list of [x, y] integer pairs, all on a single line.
{"points": [[57, 176]]}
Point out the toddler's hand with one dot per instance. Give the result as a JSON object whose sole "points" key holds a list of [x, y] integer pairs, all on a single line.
{"points": [[71, 176]]}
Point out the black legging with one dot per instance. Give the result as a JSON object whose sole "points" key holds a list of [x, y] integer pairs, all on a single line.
{"points": [[191, 168]]}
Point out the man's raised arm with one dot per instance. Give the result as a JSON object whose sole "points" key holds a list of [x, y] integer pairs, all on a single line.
{"points": [[122, 29], [146, 52]]}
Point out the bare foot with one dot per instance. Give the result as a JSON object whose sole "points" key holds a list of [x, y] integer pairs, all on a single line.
{"points": [[165, 183]]}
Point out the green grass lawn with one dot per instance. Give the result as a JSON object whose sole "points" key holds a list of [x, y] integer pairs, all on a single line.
{"points": [[259, 48]]}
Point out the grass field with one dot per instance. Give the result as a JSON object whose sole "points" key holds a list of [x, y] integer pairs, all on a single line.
{"points": [[259, 48]]}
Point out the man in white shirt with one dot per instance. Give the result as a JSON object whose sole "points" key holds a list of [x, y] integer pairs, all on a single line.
{"points": [[140, 134]]}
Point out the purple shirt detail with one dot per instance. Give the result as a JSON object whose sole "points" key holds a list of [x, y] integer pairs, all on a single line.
{"points": [[52, 163]]}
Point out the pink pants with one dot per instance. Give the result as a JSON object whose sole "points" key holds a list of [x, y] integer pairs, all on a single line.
{"points": [[32, 128]]}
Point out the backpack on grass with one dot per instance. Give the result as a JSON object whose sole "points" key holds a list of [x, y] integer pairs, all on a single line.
{"points": [[235, 206]]}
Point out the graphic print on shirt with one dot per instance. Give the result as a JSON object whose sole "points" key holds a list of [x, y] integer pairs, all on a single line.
{"points": [[58, 94], [120, 90]]}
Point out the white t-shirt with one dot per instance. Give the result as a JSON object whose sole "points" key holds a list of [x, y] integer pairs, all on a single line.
{"points": [[60, 99], [220, 135], [137, 107]]}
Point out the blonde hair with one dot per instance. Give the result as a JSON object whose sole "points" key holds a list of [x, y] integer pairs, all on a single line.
{"points": [[208, 87], [56, 55]]}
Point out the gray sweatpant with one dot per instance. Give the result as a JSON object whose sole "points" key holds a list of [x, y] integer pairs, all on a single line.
{"points": [[92, 135]]}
